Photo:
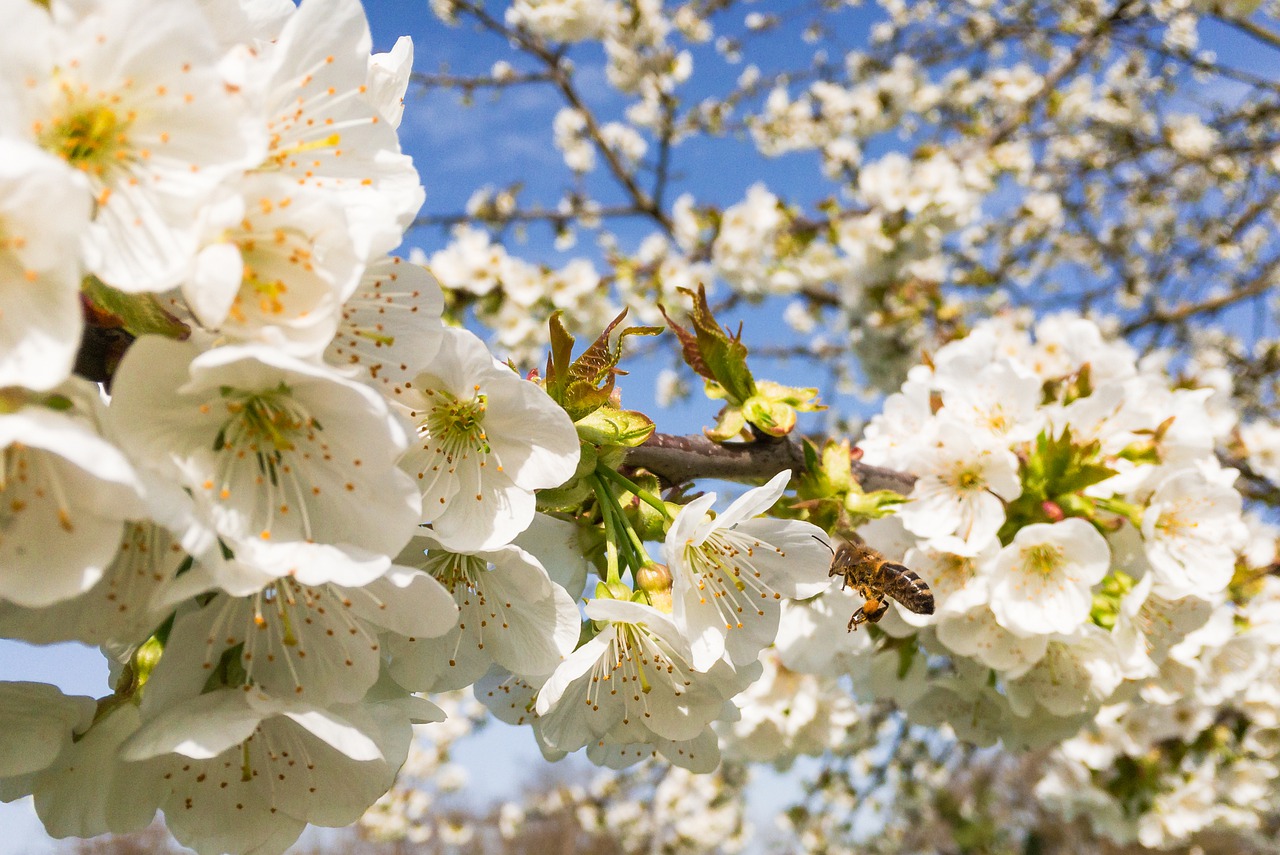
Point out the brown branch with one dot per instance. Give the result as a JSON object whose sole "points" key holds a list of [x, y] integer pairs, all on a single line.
{"points": [[1054, 77], [679, 459], [1256, 286], [561, 76], [467, 84]]}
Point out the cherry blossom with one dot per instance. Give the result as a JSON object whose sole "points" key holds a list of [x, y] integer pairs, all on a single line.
{"points": [[44, 210], [1041, 581], [731, 571], [486, 439], [235, 422], [1192, 530], [635, 673], [101, 90], [510, 614], [68, 489]]}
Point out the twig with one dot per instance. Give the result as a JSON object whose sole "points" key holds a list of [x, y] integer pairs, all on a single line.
{"points": [[1257, 286], [467, 84], [680, 459]]}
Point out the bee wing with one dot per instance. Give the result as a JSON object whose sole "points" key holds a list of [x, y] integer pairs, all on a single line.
{"points": [[907, 588]]}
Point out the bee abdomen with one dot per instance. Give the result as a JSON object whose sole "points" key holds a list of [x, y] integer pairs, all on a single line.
{"points": [[906, 587]]}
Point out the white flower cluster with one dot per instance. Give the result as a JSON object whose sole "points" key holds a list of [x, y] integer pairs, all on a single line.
{"points": [[656, 670], [1069, 516], [834, 117], [650, 808], [1192, 747], [473, 266], [233, 522]]}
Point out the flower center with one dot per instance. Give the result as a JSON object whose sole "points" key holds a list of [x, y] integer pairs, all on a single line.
{"points": [[453, 570], [1176, 522], [954, 570], [266, 293], [455, 424], [969, 480], [1043, 558], [264, 424], [90, 137]]}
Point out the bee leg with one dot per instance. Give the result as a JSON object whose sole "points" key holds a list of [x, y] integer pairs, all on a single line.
{"points": [[859, 616]]}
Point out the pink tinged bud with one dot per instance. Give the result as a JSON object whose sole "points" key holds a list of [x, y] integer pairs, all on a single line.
{"points": [[1053, 511]]}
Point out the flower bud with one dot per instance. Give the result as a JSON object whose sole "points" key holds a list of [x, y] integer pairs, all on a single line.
{"points": [[655, 581]]}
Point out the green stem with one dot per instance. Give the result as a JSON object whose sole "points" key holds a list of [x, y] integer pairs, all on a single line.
{"points": [[613, 576], [636, 490], [1128, 510], [630, 544]]}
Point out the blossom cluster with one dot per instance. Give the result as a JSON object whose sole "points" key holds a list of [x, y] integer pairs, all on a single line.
{"points": [[1183, 760], [1191, 748], [248, 455], [297, 498], [1070, 518], [200, 200], [650, 807], [662, 657]]}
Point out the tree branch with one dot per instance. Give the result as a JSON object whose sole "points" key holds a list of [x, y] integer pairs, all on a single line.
{"points": [[679, 459], [442, 80], [1256, 286]]}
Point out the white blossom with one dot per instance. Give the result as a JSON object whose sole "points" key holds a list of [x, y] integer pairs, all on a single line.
{"points": [[289, 463], [1192, 529], [510, 614], [961, 480], [67, 489], [731, 571], [635, 673], [486, 439], [130, 94], [1041, 583], [44, 214]]}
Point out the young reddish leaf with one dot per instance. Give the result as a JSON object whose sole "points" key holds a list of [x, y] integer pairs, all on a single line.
{"points": [[586, 383], [725, 355], [712, 352], [688, 347], [136, 314]]}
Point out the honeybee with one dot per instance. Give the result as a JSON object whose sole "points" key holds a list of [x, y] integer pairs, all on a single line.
{"points": [[876, 578]]}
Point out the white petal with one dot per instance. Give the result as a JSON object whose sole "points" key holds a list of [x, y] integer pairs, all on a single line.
{"points": [[755, 501], [338, 733], [38, 721], [406, 601], [200, 728]]}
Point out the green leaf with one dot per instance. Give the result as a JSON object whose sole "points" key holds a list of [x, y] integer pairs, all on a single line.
{"points": [[608, 425], [1083, 475], [712, 352], [872, 506], [586, 384], [561, 353], [729, 423], [773, 417], [136, 314]]}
